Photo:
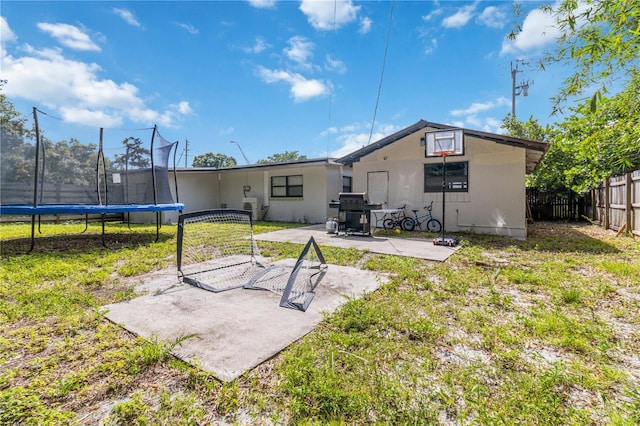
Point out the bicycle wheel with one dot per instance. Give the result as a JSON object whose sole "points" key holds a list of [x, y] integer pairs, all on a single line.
{"points": [[408, 224], [389, 223], [434, 225]]}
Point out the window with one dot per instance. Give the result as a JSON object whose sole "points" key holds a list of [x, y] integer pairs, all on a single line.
{"points": [[456, 177], [286, 186], [346, 183]]}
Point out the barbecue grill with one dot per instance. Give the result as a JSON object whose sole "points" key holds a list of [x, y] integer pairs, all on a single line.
{"points": [[354, 212]]}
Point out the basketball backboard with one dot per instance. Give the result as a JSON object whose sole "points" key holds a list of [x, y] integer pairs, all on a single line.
{"points": [[444, 142]]}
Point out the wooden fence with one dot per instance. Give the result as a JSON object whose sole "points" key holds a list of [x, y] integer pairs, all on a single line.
{"points": [[617, 203], [568, 206]]}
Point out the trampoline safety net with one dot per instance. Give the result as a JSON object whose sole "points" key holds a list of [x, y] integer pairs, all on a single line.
{"points": [[216, 251], [116, 170]]}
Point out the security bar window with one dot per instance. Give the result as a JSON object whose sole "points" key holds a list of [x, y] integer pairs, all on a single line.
{"points": [[456, 177]]}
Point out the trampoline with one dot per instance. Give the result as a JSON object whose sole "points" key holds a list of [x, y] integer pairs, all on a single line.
{"points": [[37, 179]]}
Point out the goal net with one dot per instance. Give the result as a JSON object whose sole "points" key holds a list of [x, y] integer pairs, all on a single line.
{"points": [[295, 283], [216, 249]]}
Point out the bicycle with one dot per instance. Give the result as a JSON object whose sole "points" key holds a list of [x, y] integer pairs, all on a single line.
{"points": [[396, 219], [433, 225]]}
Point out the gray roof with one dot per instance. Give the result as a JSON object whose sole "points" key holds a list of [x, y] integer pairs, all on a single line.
{"points": [[534, 149], [328, 161]]}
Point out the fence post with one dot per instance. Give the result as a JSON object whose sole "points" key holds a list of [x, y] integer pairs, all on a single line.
{"points": [[606, 204], [628, 204]]}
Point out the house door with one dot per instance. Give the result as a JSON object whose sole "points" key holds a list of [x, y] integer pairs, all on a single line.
{"points": [[378, 187]]}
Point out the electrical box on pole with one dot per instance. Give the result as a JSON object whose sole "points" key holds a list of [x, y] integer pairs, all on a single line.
{"points": [[521, 89]]}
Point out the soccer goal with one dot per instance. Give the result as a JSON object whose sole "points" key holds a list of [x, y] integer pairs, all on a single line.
{"points": [[216, 249], [295, 283]]}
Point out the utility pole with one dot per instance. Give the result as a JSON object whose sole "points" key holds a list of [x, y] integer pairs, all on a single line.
{"points": [[186, 152], [241, 152], [522, 88]]}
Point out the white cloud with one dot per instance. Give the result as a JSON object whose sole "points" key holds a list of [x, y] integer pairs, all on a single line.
{"points": [[352, 137], [320, 14], [190, 28], [6, 35], [128, 16], [433, 14], [475, 115], [431, 46], [477, 107], [69, 35], [300, 50], [459, 19], [182, 107], [259, 46], [301, 89], [262, 4], [538, 30], [365, 25], [74, 90], [493, 17], [335, 65]]}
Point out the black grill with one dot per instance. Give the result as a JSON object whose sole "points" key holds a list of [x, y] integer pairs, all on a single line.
{"points": [[354, 212]]}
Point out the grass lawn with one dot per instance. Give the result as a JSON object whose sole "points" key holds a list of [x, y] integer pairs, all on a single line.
{"points": [[540, 332]]}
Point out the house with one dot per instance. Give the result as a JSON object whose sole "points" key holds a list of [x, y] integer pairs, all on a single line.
{"points": [[295, 191], [485, 181]]}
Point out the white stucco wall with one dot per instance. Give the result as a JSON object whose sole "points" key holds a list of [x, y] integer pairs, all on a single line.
{"points": [[494, 203], [322, 182]]}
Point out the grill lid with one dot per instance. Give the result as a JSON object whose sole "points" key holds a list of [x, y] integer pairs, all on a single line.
{"points": [[352, 196]]}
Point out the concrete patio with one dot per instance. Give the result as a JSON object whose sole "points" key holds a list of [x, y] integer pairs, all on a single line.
{"points": [[420, 248]]}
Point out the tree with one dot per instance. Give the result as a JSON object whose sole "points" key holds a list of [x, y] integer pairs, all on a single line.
{"points": [[530, 129], [601, 39], [17, 151], [213, 160], [548, 175], [70, 162], [588, 146], [604, 142], [283, 158], [600, 136], [11, 121], [135, 156]]}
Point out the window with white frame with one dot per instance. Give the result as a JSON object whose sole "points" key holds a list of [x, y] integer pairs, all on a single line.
{"points": [[286, 186]]}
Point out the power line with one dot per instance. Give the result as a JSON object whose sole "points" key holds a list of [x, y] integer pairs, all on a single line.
{"points": [[333, 48], [384, 63]]}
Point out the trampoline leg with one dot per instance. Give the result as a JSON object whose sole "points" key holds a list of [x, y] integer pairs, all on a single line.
{"points": [[104, 243], [33, 230], [86, 223], [157, 226]]}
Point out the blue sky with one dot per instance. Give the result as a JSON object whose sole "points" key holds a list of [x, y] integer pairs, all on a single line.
{"points": [[273, 76]]}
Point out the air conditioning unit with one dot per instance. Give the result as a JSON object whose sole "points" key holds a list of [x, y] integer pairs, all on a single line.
{"points": [[254, 204]]}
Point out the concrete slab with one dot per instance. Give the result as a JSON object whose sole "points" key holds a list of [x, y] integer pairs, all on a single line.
{"points": [[237, 329], [410, 247]]}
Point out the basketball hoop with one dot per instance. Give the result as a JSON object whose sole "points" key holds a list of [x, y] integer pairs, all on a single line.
{"points": [[444, 143], [444, 153]]}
